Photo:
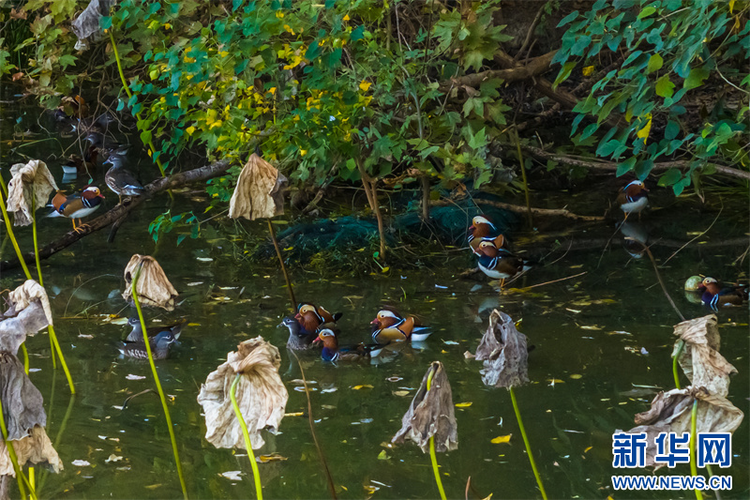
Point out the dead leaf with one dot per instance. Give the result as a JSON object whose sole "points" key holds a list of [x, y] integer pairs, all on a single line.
{"points": [[259, 191], [504, 351], [273, 457], [501, 439], [113, 458], [28, 190], [154, 289], [463, 405], [365, 386], [87, 23], [431, 413], [261, 395]]}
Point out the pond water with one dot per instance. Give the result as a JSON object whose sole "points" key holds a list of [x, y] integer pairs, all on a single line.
{"points": [[599, 339]]}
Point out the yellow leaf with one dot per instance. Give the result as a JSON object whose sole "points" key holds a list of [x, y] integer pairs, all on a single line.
{"points": [[588, 70], [501, 439], [587, 449], [364, 85], [190, 130], [576, 376], [401, 393], [463, 405], [365, 386], [386, 269], [295, 414], [346, 17], [731, 6], [643, 132], [383, 455], [302, 152]]}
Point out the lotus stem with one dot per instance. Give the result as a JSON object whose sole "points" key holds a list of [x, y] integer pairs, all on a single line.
{"points": [[680, 348], [134, 288], [246, 435], [693, 438], [433, 458], [20, 476], [13, 240], [54, 343], [152, 149], [25, 358], [526, 442], [283, 267]]}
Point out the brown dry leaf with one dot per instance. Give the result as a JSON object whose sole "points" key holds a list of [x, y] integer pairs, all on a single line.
{"points": [[35, 449], [29, 189], [28, 313], [671, 412], [261, 395], [273, 457], [154, 289], [87, 23], [700, 359], [431, 413], [259, 191], [504, 352]]}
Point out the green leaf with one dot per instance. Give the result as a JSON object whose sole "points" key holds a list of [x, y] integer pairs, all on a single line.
{"points": [[564, 73], [695, 78], [647, 12], [664, 87], [105, 22], [670, 177], [672, 129], [626, 166], [570, 17], [655, 63]]}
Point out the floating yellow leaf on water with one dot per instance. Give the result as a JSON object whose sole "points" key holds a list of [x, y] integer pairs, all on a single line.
{"points": [[463, 405], [365, 386], [401, 393], [576, 376], [587, 71], [489, 497], [273, 457], [554, 381], [193, 324], [587, 449], [295, 414], [590, 327], [370, 489], [501, 439], [383, 455]]}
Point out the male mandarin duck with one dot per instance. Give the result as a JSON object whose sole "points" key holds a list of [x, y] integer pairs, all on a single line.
{"points": [[121, 180], [332, 353], [160, 345], [137, 333], [311, 317], [78, 205], [483, 229], [499, 263], [390, 326], [714, 295], [633, 198]]}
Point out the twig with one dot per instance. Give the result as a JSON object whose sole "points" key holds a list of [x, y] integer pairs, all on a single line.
{"points": [[283, 267], [529, 33], [545, 212], [554, 281], [661, 281], [696, 237]]}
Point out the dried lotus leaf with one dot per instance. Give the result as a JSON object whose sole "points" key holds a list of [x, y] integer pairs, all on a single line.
{"points": [[154, 289], [29, 189], [259, 191]]}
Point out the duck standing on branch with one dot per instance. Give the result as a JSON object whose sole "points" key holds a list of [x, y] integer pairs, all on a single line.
{"points": [[121, 180], [390, 326], [78, 205], [714, 295], [633, 198], [498, 263]]}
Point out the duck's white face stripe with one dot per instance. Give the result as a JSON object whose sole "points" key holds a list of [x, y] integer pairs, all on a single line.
{"points": [[326, 332], [634, 183], [387, 314], [482, 220]]}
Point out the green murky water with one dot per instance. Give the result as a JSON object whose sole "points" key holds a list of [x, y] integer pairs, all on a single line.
{"points": [[596, 336]]}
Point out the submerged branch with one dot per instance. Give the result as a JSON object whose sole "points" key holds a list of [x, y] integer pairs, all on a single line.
{"points": [[548, 212], [119, 211]]}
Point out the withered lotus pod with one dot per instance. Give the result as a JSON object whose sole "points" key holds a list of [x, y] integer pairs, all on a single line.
{"points": [[261, 395], [431, 413], [154, 289], [29, 189], [259, 191], [700, 358], [28, 313], [504, 351]]}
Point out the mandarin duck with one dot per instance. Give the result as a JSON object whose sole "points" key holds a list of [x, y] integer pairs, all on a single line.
{"points": [[333, 353], [390, 326], [714, 295], [137, 333], [120, 180], [499, 263], [160, 345], [483, 229], [633, 198], [78, 205], [299, 339], [312, 317]]}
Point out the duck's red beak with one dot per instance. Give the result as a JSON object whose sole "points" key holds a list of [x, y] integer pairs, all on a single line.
{"points": [[317, 339], [472, 228], [375, 321], [298, 317]]}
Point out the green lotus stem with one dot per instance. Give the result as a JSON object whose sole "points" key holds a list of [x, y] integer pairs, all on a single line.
{"points": [[433, 458], [134, 289], [246, 435], [20, 476], [54, 343], [680, 348], [693, 438], [526, 442], [13, 240], [130, 95], [25, 358]]}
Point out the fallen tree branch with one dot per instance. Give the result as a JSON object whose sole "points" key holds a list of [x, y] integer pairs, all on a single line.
{"points": [[535, 67], [541, 84], [120, 211], [545, 212]]}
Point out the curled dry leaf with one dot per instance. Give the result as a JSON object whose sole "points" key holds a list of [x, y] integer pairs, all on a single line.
{"points": [[671, 412], [154, 289], [29, 189], [23, 411], [431, 413], [87, 23], [504, 351], [259, 191], [28, 313], [261, 395], [700, 358]]}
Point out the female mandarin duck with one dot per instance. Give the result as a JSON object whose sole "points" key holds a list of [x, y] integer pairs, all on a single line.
{"points": [[633, 198], [160, 345], [482, 229], [715, 296], [333, 353], [136, 334], [299, 339], [303, 327], [121, 180], [390, 326], [499, 263], [77, 205]]}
